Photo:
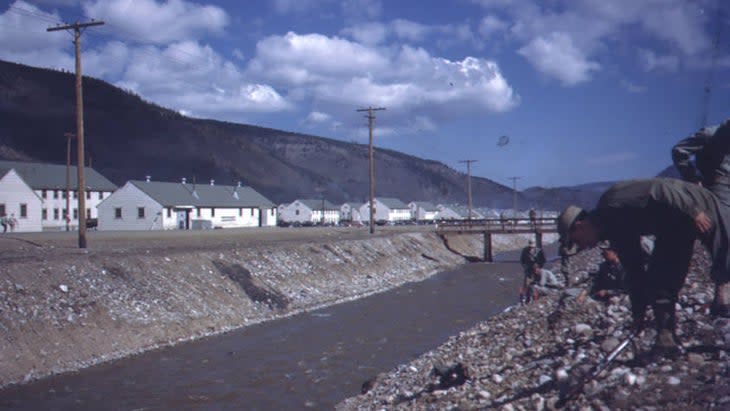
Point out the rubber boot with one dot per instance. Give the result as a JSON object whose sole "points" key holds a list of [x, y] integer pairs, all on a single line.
{"points": [[721, 305], [666, 323]]}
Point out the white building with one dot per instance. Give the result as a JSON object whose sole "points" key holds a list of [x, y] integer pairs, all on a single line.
{"points": [[18, 200], [423, 211], [148, 205], [386, 210], [350, 212], [308, 211], [48, 182]]}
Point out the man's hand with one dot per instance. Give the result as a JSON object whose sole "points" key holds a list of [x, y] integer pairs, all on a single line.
{"points": [[702, 222]]}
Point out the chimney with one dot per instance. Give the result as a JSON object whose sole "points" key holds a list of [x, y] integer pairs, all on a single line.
{"points": [[147, 178], [239, 184], [183, 180], [212, 182]]}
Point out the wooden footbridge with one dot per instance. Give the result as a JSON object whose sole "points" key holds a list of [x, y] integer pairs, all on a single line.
{"points": [[489, 227]]}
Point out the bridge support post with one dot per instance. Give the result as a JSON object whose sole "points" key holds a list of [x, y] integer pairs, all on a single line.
{"points": [[488, 247], [538, 239]]}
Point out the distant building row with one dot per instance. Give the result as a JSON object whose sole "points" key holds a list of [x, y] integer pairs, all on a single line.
{"points": [[35, 194]]}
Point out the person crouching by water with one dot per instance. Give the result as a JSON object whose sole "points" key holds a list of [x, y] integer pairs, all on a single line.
{"points": [[538, 282], [676, 213], [608, 280]]}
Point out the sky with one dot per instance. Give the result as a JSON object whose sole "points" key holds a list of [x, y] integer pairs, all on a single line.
{"points": [[551, 92]]}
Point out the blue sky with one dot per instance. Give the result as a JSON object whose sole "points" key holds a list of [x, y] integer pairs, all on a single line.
{"points": [[585, 90]]}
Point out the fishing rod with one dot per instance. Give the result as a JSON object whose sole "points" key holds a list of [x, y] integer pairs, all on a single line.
{"points": [[569, 394]]}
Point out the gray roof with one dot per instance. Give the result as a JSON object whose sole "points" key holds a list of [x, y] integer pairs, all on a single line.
{"points": [[392, 203], [426, 205], [317, 204], [202, 195], [44, 176]]}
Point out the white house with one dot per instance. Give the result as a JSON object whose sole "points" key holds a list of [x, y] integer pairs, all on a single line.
{"points": [[350, 212], [308, 211], [48, 181], [423, 211], [152, 205], [386, 210], [18, 200]]}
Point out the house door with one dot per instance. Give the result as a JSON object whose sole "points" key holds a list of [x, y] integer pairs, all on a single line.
{"points": [[182, 219]]}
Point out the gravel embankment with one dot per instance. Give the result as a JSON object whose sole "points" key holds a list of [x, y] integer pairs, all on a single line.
{"points": [[524, 358]]}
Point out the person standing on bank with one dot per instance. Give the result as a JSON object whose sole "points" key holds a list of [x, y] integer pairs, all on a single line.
{"points": [[676, 213], [710, 148], [531, 255]]}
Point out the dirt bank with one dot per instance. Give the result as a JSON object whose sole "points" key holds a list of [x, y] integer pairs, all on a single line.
{"points": [[63, 309]]}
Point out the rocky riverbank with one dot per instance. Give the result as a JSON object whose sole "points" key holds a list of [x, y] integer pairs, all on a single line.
{"points": [[530, 357], [63, 309]]}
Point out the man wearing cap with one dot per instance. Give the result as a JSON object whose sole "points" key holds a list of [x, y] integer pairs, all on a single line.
{"points": [[675, 212], [531, 255]]}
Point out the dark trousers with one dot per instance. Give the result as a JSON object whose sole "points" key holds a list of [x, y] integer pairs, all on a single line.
{"points": [[659, 281]]}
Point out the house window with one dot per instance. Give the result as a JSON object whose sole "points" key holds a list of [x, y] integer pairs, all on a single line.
{"points": [[55, 194], [44, 194], [212, 212], [101, 195], [2, 210], [240, 212], [88, 213], [140, 212], [118, 212], [296, 212], [44, 214], [252, 212], [65, 213], [76, 213], [24, 211], [63, 194], [169, 212], [88, 195], [198, 211], [76, 194], [55, 214]]}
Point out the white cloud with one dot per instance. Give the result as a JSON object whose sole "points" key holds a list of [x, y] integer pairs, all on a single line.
{"points": [[491, 25], [340, 72], [367, 33], [159, 23], [312, 58], [409, 30], [557, 56], [649, 61], [317, 117], [590, 28], [238, 54], [24, 39]]}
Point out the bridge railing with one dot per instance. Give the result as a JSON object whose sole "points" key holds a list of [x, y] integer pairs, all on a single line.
{"points": [[499, 225]]}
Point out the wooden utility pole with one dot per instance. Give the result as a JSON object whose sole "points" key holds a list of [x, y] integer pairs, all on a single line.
{"points": [[468, 181], [371, 176], [514, 196], [66, 215], [81, 191]]}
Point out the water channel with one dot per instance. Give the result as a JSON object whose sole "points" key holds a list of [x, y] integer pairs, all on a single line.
{"points": [[308, 361]]}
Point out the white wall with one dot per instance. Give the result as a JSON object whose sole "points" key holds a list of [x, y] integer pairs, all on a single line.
{"points": [[270, 215], [59, 203], [227, 217], [290, 215], [383, 213], [14, 192], [129, 198]]}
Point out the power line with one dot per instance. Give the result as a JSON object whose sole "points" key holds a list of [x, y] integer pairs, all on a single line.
{"points": [[468, 181], [514, 195], [371, 174]]}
